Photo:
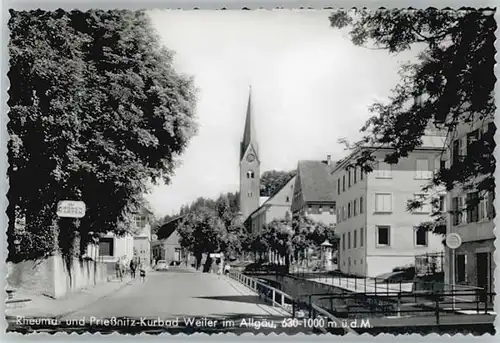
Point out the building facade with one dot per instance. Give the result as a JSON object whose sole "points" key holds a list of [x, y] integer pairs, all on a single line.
{"points": [[249, 167], [276, 207], [167, 247], [472, 263], [377, 232], [314, 191]]}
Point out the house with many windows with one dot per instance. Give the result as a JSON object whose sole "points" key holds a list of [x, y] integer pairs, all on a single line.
{"points": [[471, 216], [314, 191], [377, 232]]}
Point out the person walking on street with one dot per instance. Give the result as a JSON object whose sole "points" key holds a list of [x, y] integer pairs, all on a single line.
{"points": [[133, 267], [118, 269], [226, 269], [142, 272]]}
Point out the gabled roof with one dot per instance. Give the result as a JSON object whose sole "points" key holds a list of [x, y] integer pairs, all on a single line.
{"points": [[168, 228], [267, 201], [316, 181], [249, 137]]}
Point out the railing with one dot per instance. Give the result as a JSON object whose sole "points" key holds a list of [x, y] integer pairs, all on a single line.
{"points": [[287, 302], [433, 304], [387, 287]]}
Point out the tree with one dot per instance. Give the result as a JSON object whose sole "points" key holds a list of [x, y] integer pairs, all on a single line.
{"points": [[452, 79], [96, 110], [272, 181], [202, 231]]}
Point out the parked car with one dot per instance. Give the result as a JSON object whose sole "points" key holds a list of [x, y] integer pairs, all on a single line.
{"points": [[175, 263], [161, 265]]}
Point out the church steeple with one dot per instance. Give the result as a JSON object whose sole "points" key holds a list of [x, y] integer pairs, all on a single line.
{"points": [[249, 136], [249, 166]]}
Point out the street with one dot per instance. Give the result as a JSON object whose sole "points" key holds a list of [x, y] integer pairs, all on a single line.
{"points": [[170, 301]]}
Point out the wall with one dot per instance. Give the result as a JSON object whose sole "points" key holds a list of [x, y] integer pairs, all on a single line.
{"points": [[346, 224], [142, 249], [326, 215], [52, 277], [402, 185]]}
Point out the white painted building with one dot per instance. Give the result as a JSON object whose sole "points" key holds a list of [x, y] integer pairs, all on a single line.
{"points": [[377, 232]]}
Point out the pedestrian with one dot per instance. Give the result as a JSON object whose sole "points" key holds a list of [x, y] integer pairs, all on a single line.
{"points": [[226, 269], [118, 269], [219, 269], [133, 267], [142, 272]]}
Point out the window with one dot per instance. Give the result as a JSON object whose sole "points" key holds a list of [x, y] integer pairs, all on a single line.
{"points": [[343, 241], [361, 175], [249, 194], [349, 177], [250, 174], [338, 185], [422, 169], [287, 199], [354, 239], [383, 202], [140, 221], [460, 268], [355, 174], [425, 208], [355, 208], [361, 209], [457, 213], [420, 237], [361, 237], [482, 208], [343, 183], [383, 170], [349, 210], [472, 137], [348, 240], [472, 207], [459, 150], [442, 203], [383, 236], [338, 215], [106, 246], [344, 214]]}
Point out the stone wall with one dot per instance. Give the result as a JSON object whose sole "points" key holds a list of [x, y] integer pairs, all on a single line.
{"points": [[53, 277]]}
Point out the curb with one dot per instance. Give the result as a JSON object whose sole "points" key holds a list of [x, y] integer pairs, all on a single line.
{"points": [[98, 298]]}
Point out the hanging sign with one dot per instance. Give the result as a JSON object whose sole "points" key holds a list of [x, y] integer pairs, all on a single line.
{"points": [[71, 209]]}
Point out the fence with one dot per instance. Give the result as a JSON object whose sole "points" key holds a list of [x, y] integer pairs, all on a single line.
{"points": [[429, 263], [288, 303], [432, 304]]}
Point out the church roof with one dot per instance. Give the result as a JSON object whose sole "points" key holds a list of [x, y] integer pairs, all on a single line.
{"points": [[316, 182], [249, 136]]}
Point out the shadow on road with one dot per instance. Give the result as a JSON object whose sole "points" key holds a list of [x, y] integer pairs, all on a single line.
{"points": [[251, 299]]}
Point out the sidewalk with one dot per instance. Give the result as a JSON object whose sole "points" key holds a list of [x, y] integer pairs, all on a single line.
{"points": [[43, 306]]}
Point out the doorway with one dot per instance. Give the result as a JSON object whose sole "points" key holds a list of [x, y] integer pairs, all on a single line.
{"points": [[483, 266]]}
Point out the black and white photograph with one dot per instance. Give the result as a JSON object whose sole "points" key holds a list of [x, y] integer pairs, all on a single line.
{"points": [[290, 171]]}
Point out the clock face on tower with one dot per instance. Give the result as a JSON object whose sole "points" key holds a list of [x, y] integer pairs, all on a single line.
{"points": [[250, 157]]}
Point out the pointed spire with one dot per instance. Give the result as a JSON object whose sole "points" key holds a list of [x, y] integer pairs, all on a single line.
{"points": [[249, 136]]}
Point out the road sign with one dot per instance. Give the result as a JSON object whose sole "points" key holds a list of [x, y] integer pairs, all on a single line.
{"points": [[71, 209], [453, 241]]}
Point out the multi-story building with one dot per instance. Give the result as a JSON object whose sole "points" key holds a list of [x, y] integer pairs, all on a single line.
{"points": [[473, 263], [314, 191], [377, 233], [277, 206]]}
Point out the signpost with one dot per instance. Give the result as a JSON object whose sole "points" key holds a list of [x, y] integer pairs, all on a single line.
{"points": [[453, 241], [71, 209]]}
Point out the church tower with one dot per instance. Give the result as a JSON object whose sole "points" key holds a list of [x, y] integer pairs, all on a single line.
{"points": [[249, 166]]}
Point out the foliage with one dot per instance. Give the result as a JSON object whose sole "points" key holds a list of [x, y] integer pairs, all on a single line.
{"points": [[272, 181], [96, 110], [452, 80]]}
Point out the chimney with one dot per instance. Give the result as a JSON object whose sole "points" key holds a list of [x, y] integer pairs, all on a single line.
{"points": [[329, 159]]}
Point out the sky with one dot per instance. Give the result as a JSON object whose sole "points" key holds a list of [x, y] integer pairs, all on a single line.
{"points": [[310, 87]]}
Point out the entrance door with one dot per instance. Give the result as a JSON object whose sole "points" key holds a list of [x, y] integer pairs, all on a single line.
{"points": [[483, 264]]}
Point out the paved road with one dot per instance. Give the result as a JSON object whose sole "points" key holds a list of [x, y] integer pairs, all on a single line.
{"points": [[174, 298]]}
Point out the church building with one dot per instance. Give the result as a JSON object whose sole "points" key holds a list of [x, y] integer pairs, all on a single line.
{"points": [[256, 211]]}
